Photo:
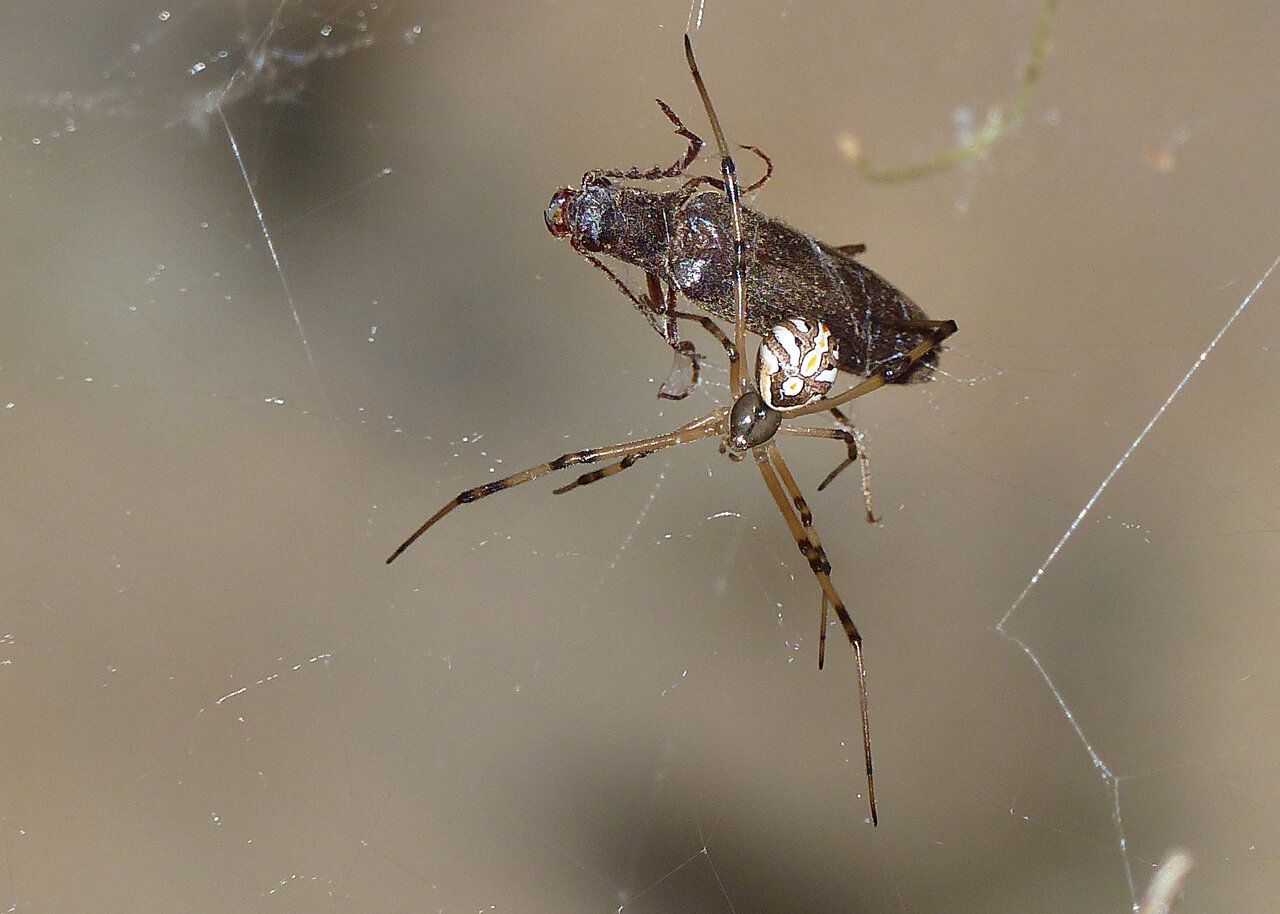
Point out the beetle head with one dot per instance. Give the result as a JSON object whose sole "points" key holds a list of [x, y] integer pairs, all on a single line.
{"points": [[584, 214]]}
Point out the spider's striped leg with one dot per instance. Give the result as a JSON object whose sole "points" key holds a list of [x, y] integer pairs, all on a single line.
{"points": [[849, 435], [899, 368], [707, 426], [864, 463], [795, 511], [811, 546], [596, 475], [738, 379]]}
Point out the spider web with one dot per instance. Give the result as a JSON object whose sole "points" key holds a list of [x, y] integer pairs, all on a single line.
{"points": [[274, 289]]}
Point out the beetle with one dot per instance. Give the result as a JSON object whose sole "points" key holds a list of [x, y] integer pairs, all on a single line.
{"points": [[684, 242]]}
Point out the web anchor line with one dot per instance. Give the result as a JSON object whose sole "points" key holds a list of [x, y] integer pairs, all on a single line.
{"points": [[1105, 771]]}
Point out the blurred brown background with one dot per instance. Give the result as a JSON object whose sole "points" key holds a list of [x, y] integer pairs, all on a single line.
{"points": [[217, 695]]}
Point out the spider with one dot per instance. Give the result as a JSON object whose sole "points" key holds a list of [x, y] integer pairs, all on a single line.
{"points": [[796, 365]]}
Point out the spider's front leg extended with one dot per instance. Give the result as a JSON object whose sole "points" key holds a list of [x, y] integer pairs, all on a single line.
{"points": [[604, 472], [626, 453]]}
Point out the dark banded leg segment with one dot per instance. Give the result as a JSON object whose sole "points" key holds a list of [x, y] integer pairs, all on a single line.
{"points": [[596, 475], [795, 511], [711, 425], [847, 434]]}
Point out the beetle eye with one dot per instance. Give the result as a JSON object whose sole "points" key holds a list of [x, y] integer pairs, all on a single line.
{"points": [[796, 364], [557, 221]]}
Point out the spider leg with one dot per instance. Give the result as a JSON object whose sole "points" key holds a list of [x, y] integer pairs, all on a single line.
{"points": [[900, 368], [942, 330], [849, 435], [768, 458], [596, 475], [709, 425], [864, 464], [711, 327], [795, 510], [738, 380]]}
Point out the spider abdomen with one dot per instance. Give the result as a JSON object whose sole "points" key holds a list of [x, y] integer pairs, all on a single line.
{"points": [[796, 364]]}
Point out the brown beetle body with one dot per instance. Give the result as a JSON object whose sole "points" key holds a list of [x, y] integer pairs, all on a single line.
{"points": [[686, 241]]}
